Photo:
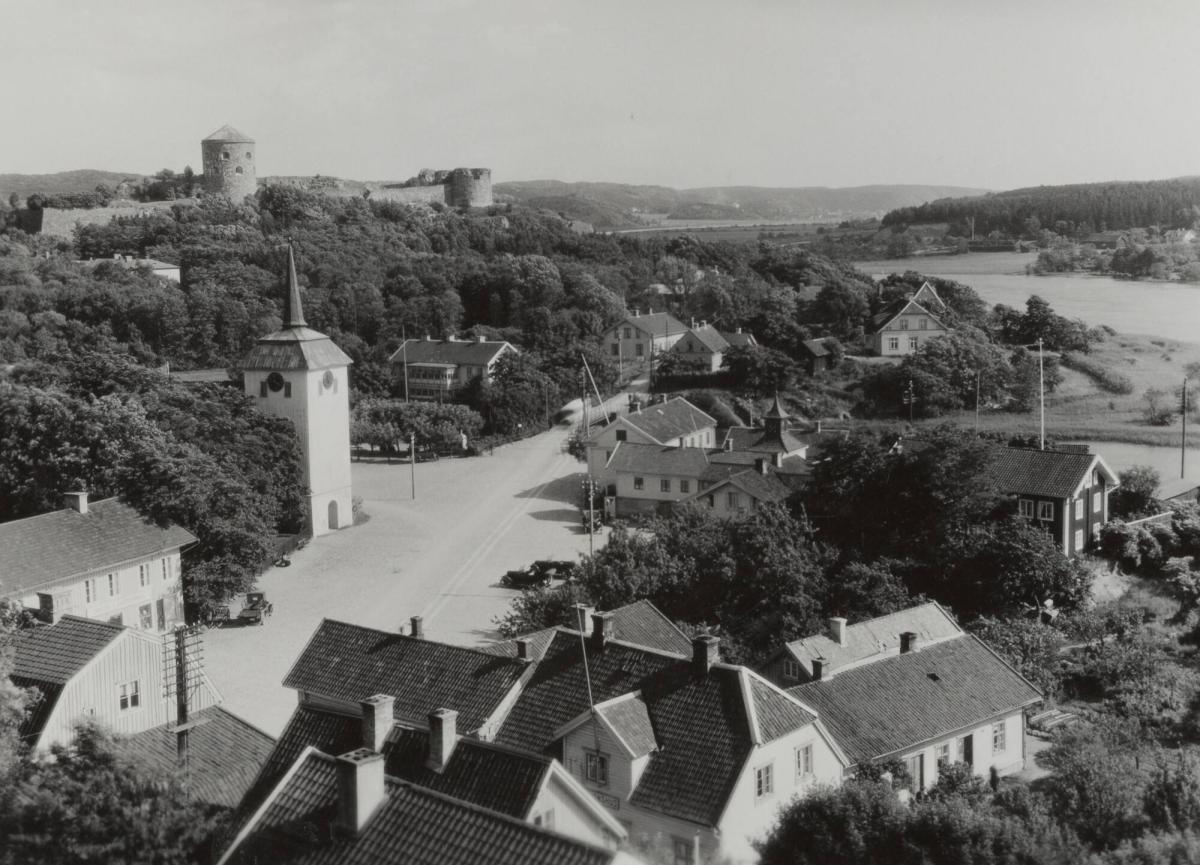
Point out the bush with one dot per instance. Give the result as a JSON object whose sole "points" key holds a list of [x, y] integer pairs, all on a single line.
{"points": [[1108, 379], [1119, 542]]}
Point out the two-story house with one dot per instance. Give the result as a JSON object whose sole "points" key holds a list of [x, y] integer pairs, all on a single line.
{"points": [[705, 346], [912, 687], [673, 423], [637, 338], [903, 326], [99, 560], [434, 369], [1065, 490]]}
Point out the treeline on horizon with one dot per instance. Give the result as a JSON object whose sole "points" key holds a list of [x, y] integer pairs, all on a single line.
{"points": [[1074, 210]]}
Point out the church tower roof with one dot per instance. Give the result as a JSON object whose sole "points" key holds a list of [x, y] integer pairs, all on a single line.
{"points": [[296, 346], [293, 312], [777, 411]]}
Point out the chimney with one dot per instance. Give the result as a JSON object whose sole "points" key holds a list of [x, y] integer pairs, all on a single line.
{"points": [[778, 460], [443, 734], [360, 788], [523, 649], [818, 668], [728, 444], [481, 338], [602, 629], [739, 330], [376, 720], [760, 465], [418, 627], [837, 630], [909, 642], [704, 653], [818, 427], [583, 615], [76, 501]]}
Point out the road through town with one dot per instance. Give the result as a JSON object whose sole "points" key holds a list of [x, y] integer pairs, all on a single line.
{"points": [[439, 556]]}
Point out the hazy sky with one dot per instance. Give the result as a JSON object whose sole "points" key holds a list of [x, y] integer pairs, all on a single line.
{"points": [[676, 92]]}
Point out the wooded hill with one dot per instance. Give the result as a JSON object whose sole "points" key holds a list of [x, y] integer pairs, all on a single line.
{"points": [[620, 205], [62, 182], [1076, 209]]}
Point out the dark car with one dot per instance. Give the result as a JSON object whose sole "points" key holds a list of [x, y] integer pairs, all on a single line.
{"points": [[525, 578]]}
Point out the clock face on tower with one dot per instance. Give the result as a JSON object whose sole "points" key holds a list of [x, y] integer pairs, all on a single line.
{"points": [[327, 379], [275, 381]]}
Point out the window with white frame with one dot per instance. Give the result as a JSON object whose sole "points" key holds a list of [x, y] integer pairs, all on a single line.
{"points": [[683, 851], [893, 343], [1026, 508], [999, 737], [113, 586], [791, 669], [664, 485], [639, 350], [804, 762], [1045, 510], [685, 486], [1097, 497], [1078, 539], [912, 343], [764, 781], [89, 590], [1079, 508], [144, 575], [629, 333], [595, 766], [128, 695], [943, 754]]}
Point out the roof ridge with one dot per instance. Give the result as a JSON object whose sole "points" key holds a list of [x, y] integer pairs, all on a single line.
{"points": [[409, 638]]}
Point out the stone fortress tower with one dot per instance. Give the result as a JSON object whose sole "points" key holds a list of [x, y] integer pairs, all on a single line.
{"points": [[229, 164], [299, 374]]}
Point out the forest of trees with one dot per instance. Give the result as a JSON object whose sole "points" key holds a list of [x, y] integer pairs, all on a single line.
{"points": [[1074, 211]]}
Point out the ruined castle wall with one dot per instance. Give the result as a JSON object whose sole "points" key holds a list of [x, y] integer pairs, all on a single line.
{"points": [[411, 194], [61, 222]]}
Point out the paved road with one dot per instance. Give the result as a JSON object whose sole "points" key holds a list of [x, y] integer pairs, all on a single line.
{"points": [[439, 556]]}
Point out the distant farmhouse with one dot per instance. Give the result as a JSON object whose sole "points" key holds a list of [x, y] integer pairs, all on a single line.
{"points": [[434, 369], [905, 325], [706, 345]]}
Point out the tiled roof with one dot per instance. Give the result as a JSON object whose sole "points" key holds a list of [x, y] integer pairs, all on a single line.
{"points": [[224, 755], [55, 653], [1057, 474], [930, 622], [905, 700], [815, 347], [763, 441], [928, 294], [654, 323], [643, 624], [412, 825], [699, 722], [65, 543], [739, 338], [228, 133], [295, 348], [763, 488], [538, 642], [777, 712], [484, 774], [352, 663], [897, 307], [671, 419], [448, 352], [657, 459], [630, 720], [709, 337]]}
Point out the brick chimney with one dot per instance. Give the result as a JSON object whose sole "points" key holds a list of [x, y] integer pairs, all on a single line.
{"points": [[360, 788], [443, 735], [602, 629], [777, 460], [418, 627], [523, 649], [376, 720], [705, 653], [583, 615], [837, 630], [761, 465], [909, 642], [76, 501]]}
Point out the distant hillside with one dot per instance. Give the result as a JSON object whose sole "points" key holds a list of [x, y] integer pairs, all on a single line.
{"points": [[83, 180], [1076, 209], [619, 205]]}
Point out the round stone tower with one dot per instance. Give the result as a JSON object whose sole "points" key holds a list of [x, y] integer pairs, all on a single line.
{"points": [[229, 164], [469, 187]]}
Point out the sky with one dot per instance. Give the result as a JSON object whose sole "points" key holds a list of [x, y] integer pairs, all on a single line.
{"points": [[681, 93]]}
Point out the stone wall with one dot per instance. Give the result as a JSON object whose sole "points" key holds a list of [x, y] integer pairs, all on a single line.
{"points": [[229, 168], [410, 194], [61, 223], [461, 187]]}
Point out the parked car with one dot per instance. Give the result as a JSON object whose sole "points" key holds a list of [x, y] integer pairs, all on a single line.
{"points": [[525, 578]]}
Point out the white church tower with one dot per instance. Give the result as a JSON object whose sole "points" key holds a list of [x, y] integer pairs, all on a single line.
{"points": [[301, 375]]}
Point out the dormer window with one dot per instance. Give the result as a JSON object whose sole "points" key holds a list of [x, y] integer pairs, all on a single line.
{"points": [[596, 768]]}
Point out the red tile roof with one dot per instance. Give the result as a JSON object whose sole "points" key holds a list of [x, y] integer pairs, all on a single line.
{"points": [[413, 825], [351, 663], [886, 707], [62, 544]]}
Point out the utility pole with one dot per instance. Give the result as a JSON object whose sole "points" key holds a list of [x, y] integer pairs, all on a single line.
{"points": [[908, 398], [978, 373], [181, 697], [404, 357], [412, 460], [1042, 396], [1183, 441]]}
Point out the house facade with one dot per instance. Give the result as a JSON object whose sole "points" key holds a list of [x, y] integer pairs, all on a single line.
{"points": [[705, 346], [903, 327], [637, 338], [434, 369], [98, 560], [87, 670], [1064, 490]]}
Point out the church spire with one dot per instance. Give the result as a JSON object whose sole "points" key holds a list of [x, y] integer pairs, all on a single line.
{"points": [[293, 313], [774, 419]]}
